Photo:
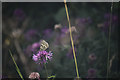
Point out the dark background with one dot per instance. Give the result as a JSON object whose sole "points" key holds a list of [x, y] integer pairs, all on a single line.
{"points": [[44, 16]]}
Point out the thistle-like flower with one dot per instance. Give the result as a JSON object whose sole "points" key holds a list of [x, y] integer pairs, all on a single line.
{"points": [[42, 57], [91, 73]]}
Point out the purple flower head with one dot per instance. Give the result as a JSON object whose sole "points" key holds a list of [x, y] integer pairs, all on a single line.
{"points": [[92, 56], [42, 57], [107, 16], [36, 45], [32, 48], [49, 55], [19, 14], [31, 34], [91, 72], [115, 18], [81, 22], [64, 29]]}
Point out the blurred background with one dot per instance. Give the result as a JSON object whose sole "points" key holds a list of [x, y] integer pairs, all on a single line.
{"points": [[24, 24]]}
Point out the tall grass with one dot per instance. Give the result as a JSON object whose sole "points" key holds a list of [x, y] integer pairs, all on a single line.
{"points": [[71, 39], [17, 69], [108, 61]]}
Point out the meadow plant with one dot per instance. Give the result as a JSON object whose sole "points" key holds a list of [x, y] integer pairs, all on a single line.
{"points": [[42, 57]]}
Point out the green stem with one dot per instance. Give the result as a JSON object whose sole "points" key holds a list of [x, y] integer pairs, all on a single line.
{"points": [[46, 70], [109, 35]]}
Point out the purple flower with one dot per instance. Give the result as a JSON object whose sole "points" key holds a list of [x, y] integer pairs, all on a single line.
{"points": [[31, 34], [114, 17], [82, 21], [36, 45], [35, 58], [42, 57], [64, 30], [32, 48], [49, 55], [107, 16], [91, 73], [19, 14]]}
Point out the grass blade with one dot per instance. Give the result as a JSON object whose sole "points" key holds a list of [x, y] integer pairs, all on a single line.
{"points": [[71, 39], [18, 70]]}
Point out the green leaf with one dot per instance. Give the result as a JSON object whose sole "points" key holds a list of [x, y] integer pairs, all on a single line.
{"points": [[52, 77]]}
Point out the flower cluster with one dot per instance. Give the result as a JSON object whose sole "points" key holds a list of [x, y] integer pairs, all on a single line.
{"points": [[42, 57], [106, 23]]}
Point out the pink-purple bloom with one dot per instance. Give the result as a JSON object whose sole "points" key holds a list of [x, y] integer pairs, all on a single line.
{"points": [[36, 45], [91, 73], [35, 58], [114, 17], [107, 15], [42, 57], [32, 48], [106, 23], [64, 30], [81, 21], [19, 14]]}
